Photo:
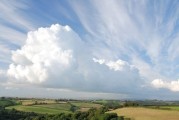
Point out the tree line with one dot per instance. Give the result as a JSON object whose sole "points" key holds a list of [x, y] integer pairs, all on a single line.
{"points": [[92, 114]]}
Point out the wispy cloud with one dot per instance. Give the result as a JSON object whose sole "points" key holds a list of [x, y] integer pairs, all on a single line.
{"points": [[12, 14], [13, 27], [133, 43], [143, 30]]}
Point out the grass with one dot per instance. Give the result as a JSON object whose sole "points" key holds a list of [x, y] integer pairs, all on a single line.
{"points": [[170, 107], [61, 106], [52, 107], [139, 113], [86, 105], [101, 101], [83, 109], [43, 109], [27, 102], [33, 101]]}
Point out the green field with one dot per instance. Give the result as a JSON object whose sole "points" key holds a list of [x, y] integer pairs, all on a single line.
{"points": [[139, 113], [36, 101], [86, 105], [55, 107], [65, 107], [165, 107], [101, 101], [51, 107], [170, 107], [48, 108]]}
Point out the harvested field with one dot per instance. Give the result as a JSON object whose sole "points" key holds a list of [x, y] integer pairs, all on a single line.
{"points": [[139, 113]]}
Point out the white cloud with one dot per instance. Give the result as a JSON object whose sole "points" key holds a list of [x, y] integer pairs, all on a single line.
{"points": [[133, 38], [56, 57], [11, 35], [13, 9], [13, 27], [122, 74], [118, 65], [125, 32], [42, 51], [136, 32], [171, 85]]}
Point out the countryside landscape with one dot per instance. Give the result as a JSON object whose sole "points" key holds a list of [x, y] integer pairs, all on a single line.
{"points": [[89, 60], [66, 109]]}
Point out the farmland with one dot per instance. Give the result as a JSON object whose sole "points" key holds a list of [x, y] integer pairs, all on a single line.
{"points": [[36, 101], [139, 113], [85, 106], [43, 109], [49, 109], [126, 110], [52, 106], [170, 107], [166, 107]]}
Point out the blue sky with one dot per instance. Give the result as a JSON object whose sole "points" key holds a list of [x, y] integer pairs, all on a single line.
{"points": [[117, 49]]}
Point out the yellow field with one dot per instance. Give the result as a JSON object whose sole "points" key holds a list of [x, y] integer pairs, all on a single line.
{"points": [[138, 113], [31, 102]]}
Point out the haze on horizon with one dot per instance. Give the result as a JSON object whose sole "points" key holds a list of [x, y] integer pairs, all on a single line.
{"points": [[108, 49]]}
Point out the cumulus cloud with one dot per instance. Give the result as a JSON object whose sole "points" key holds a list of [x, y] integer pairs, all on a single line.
{"points": [[56, 57], [171, 85], [44, 49], [118, 65], [123, 33]]}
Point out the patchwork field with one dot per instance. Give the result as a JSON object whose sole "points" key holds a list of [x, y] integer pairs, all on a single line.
{"points": [[49, 108], [138, 113], [31, 102], [85, 106], [53, 107]]}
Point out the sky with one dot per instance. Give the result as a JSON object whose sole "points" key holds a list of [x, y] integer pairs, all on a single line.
{"points": [[90, 49]]}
